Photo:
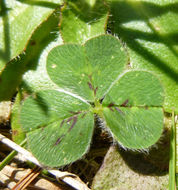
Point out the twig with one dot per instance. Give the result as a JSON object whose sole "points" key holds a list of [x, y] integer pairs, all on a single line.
{"points": [[66, 177], [10, 157]]}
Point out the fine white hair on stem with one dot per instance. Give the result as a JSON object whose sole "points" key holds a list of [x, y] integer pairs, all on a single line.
{"points": [[66, 177]]}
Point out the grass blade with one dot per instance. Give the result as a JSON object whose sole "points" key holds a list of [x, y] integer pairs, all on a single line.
{"points": [[172, 160]]}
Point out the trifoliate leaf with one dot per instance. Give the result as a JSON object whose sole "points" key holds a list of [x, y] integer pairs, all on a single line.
{"points": [[91, 80]]}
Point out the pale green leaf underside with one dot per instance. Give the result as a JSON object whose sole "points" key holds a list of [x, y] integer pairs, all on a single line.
{"points": [[58, 144], [135, 128], [87, 70]]}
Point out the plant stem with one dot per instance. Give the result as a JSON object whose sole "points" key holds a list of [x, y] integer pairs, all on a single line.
{"points": [[172, 160], [10, 156]]}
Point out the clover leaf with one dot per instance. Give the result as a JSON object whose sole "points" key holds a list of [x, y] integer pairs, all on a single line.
{"points": [[92, 79]]}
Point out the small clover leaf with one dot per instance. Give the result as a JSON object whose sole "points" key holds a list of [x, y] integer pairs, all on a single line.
{"points": [[60, 123]]}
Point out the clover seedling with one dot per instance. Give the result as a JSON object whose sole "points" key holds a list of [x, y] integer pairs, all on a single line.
{"points": [[94, 80]]}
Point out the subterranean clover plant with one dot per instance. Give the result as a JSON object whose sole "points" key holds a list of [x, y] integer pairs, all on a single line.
{"points": [[95, 81]]}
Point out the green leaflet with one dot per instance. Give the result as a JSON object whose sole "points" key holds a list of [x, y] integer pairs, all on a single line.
{"points": [[134, 104], [59, 127], [87, 70], [93, 81], [136, 88], [15, 69], [60, 144], [86, 19], [135, 128], [17, 23], [48, 106]]}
